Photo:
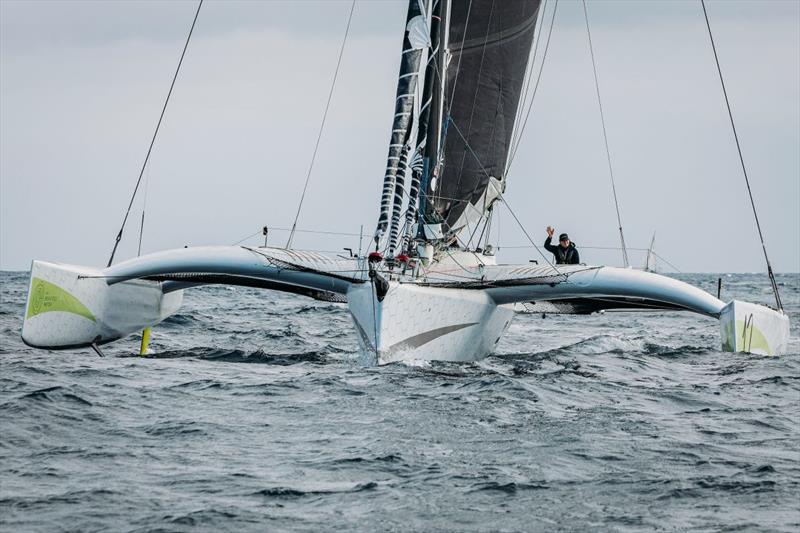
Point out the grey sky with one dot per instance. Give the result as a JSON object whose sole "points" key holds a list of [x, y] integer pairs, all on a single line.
{"points": [[82, 83]]}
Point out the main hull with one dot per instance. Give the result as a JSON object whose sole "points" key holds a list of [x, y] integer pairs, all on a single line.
{"points": [[414, 322]]}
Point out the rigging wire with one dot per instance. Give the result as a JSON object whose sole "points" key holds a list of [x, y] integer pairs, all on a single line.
{"points": [[741, 160], [153, 140], [667, 262], [503, 199], [485, 219], [460, 56], [322, 125], [527, 235], [605, 138], [529, 69], [524, 102], [144, 209], [535, 88]]}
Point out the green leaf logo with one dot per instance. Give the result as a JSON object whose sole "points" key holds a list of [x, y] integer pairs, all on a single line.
{"points": [[46, 297]]}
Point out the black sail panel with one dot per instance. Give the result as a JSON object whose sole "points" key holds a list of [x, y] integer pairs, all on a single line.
{"points": [[490, 43]]}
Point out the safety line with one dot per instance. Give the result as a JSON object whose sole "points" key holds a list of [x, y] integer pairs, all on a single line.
{"points": [[661, 258], [319, 232]]}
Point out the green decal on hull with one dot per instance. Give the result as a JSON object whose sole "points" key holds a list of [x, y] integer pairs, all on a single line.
{"points": [[751, 337], [46, 297]]}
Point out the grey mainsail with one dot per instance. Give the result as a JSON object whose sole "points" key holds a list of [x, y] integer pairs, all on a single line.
{"points": [[488, 46]]}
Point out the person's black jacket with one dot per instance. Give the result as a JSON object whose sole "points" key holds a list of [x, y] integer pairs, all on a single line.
{"points": [[563, 257]]}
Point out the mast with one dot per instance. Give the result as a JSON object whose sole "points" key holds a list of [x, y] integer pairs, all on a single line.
{"points": [[420, 159], [403, 110], [434, 130], [441, 124]]}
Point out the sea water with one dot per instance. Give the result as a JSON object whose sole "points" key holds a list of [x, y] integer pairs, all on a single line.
{"points": [[253, 414]]}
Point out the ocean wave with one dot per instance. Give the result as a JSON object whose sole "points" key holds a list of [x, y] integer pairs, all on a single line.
{"points": [[315, 490], [612, 422], [243, 356], [511, 487]]}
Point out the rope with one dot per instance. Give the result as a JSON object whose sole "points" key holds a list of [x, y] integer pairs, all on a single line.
{"points": [[153, 140], [322, 125], [605, 139], [741, 160]]}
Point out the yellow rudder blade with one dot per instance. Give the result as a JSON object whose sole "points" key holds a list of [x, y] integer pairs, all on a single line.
{"points": [[145, 341]]}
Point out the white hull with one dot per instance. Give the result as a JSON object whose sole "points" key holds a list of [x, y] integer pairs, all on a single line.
{"points": [[426, 323], [454, 309]]}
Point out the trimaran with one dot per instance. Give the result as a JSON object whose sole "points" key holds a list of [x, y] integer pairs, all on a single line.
{"points": [[422, 293]]}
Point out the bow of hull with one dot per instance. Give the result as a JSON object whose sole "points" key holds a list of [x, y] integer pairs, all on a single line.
{"points": [[426, 323]]}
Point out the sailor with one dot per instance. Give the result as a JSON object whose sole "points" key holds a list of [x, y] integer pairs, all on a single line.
{"points": [[565, 253]]}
